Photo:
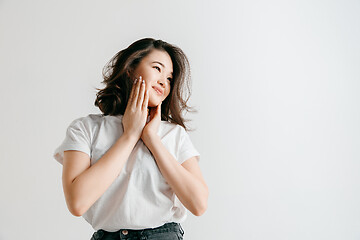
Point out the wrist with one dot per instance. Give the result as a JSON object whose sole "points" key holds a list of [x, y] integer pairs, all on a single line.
{"points": [[130, 137], [148, 136]]}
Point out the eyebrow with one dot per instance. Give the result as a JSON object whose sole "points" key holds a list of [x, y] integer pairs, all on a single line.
{"points": [[160, 64]]}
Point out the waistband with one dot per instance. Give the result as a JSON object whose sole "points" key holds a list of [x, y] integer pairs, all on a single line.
{"points": [[127, 233]]}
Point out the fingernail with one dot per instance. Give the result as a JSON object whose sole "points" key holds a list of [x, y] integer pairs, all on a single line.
{"points": [[135, 80]]}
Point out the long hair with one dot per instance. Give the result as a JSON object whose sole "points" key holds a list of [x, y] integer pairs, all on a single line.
{"points": [[112, 100]]}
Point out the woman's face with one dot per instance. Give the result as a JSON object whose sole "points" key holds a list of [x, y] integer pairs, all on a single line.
{"points": [[156, 69]]}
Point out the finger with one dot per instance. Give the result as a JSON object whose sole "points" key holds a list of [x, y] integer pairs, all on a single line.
{"points": [[136, 92], [158, 110], [132, 91], [151, 113], [141, 94], [146, 100]]}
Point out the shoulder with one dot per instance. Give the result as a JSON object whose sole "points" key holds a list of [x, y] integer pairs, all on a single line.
{"points": [[171, 126], [87, 121], [173, 130]]}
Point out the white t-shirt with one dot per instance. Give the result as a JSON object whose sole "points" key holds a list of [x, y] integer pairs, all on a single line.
{"points": [[139, 197]]}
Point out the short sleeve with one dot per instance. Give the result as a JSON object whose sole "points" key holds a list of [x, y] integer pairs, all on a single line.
{"points": [[187, 149], [77, 138]]}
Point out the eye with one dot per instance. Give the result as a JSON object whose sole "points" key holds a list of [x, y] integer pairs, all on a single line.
{"points": [[170, 79], [156, 67]]}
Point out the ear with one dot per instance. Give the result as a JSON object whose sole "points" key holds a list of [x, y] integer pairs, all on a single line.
{"points": [[129, 73]]}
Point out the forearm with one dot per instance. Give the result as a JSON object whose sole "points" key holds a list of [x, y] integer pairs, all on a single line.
{"points": [[93, 182], [190, 190]]}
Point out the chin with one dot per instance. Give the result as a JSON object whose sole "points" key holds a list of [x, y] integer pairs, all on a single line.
{"points": [[153, 104], [154, 101]]}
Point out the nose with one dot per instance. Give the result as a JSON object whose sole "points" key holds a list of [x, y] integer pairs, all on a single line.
{"points": [[161, 81]]}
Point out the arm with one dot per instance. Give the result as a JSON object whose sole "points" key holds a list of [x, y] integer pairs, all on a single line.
{"points": [[186, 180], [83, 184]]}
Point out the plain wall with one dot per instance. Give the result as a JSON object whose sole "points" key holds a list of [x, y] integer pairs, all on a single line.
{"points": [[276, 85]]}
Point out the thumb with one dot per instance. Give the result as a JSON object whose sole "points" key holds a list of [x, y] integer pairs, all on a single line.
{"points": [[158, 109]]}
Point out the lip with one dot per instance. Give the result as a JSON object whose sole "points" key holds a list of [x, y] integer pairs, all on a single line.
{"points": [[158, 90]]}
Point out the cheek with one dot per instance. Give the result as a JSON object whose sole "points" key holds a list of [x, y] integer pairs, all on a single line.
{"points": [[141, 72], [149, 88], [167, 94]]}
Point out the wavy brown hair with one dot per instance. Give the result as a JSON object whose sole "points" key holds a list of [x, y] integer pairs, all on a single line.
{"points": [[112, 99]]}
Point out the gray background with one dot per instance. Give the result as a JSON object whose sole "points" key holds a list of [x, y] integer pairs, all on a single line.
{"points": [[276, 84]]}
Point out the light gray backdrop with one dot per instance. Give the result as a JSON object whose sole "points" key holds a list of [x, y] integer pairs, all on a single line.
{"points": [[276, 84]]}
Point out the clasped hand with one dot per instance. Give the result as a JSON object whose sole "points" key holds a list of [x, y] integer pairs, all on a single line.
{"points": [[136, 113]]}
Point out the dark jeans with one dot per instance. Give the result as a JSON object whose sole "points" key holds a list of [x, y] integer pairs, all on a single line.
{"points": [[168, 231]]}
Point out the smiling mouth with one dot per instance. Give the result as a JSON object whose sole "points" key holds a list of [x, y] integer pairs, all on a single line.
{"points": [[157, 91]]}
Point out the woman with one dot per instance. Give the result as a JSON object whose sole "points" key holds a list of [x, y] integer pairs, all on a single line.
{"points": [[132, 171]]}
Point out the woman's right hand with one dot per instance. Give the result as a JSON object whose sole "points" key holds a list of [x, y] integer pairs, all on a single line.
{"points": [[136, 111]]}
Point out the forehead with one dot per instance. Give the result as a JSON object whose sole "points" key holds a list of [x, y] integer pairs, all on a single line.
{"points": [[159, 56]]}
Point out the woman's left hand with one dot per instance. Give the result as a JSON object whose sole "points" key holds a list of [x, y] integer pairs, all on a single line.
{"points": [[152, 127]]}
